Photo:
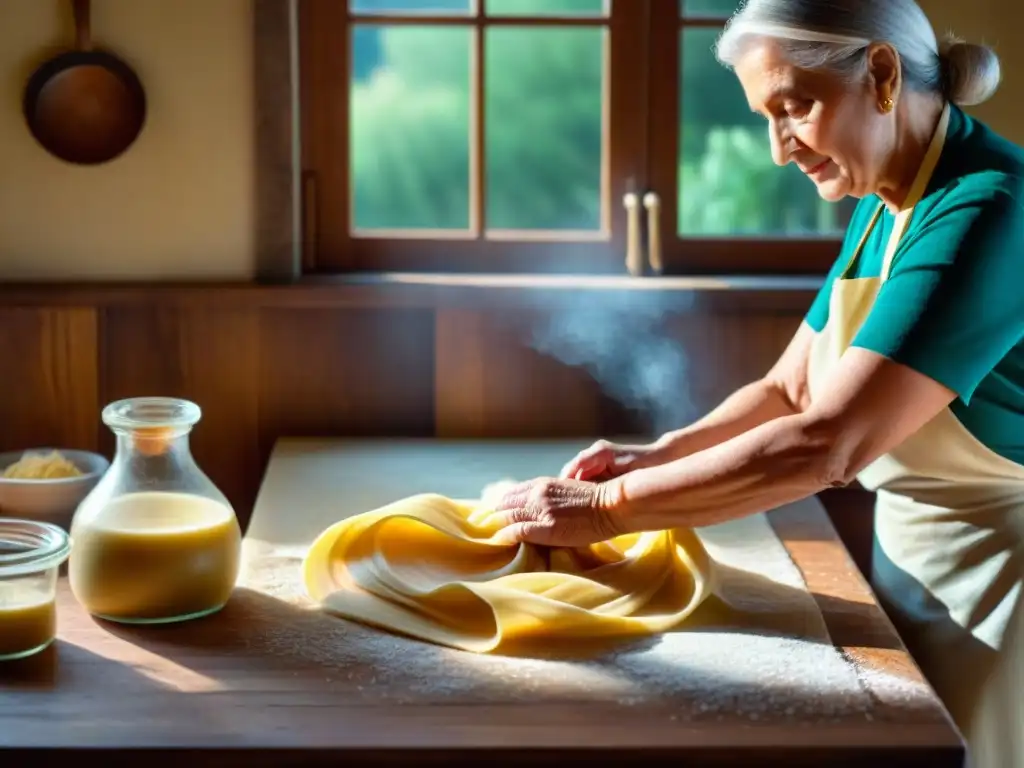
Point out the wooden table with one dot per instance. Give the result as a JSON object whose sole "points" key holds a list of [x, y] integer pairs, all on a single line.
{"points": [[131, 695]]}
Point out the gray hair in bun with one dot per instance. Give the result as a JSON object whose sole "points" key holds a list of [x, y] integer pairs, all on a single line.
{"points": [[835, 35]]}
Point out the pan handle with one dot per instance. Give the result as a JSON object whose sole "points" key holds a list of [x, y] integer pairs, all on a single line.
{"points": [[83, 24]]}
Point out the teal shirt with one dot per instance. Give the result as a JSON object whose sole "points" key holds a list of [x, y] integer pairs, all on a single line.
{"points": [[953, 305]]}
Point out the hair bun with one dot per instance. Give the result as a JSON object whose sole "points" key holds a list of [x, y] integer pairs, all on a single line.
{"points": [[971, 72]]}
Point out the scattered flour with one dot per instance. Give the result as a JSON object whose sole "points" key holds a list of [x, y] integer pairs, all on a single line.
{"points": [[895, 693], [772, 657]]}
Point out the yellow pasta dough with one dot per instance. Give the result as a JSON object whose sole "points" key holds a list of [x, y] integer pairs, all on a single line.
{"points": [[428, 567]]}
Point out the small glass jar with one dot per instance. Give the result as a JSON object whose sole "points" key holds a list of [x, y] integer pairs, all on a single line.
{"points": [[31, 554], [155, 541]]}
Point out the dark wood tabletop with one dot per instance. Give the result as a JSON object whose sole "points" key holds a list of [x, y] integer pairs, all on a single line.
{"points": [[134, 697]]}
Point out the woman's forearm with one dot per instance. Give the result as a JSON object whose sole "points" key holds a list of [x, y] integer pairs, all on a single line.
{"points": [[748, 407], [781, 461]]}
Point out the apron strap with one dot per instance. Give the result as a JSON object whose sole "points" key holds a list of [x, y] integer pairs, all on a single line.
{"points": [[863, 241], [917, 189]]}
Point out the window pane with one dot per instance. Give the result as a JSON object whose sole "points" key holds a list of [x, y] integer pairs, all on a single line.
{"points": [[413, 6], [728, 182], [544, 127], [716, 8], [410, 123], [547, 7]]}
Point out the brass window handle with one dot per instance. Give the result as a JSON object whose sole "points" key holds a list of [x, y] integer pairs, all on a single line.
{"points": [[634, 255], [652, 202]]}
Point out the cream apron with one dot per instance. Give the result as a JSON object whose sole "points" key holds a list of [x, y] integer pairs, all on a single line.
{"points": [[949, 547]]}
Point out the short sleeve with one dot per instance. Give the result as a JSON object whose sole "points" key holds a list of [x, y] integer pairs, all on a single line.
{"points": [[953, 305]]}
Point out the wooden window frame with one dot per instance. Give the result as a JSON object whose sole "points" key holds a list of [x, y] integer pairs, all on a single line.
{"points": [[324, 35], [761, 255], [278, 232], [642, 117]]}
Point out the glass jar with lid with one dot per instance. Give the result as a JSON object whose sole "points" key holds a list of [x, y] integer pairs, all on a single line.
{"points": [[155, 541], [31, 554]]}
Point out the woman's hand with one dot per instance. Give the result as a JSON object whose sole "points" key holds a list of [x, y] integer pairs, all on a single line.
{"points": [[605, 460], [559, 513]]}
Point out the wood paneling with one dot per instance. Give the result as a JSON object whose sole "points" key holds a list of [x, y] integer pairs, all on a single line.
{"points": [[490, 382], [356, 372], [48, 377], [209, 356], [257, 373], [730, 351], [499, 373], [263, 364]]}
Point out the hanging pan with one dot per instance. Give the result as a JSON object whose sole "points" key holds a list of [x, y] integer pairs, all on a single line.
{"points": [[84, 106]]}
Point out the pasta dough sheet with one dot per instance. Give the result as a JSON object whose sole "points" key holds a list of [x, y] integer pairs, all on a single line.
{"points": [[757, 647], [428, 566]]}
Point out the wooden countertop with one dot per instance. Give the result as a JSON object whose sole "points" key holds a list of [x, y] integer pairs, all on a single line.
{"points": [[145, 694]]}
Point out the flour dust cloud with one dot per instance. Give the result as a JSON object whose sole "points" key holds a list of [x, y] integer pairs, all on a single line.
{"points": [[618, 337]]}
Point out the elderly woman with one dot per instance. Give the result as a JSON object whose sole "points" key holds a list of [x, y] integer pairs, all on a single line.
{"points": [[908, 372]]}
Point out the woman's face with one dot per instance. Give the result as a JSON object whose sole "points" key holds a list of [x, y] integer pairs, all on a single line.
{"points": [[833, 131]]}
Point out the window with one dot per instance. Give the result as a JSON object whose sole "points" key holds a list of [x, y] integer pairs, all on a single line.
{"points": [[551, 136]]}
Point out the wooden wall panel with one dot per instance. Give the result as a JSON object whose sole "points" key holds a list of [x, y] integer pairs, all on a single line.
{"points": [[729, 352], [359, 372], [209, 356], [48, 378], [261, 372], [491, 383]]}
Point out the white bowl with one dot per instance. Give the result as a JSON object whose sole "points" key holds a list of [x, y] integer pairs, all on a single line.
{"points": [[51, 500]]}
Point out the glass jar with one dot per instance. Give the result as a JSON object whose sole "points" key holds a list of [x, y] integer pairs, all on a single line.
{"points": [[31, 554], [155, 541]]}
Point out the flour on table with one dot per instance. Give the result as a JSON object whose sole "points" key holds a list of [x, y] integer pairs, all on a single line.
{"points": [[777, 659], [895, 691]]}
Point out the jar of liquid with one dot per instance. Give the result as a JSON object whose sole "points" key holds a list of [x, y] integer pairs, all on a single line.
{"points": [[155, 542], [31, 554]]}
